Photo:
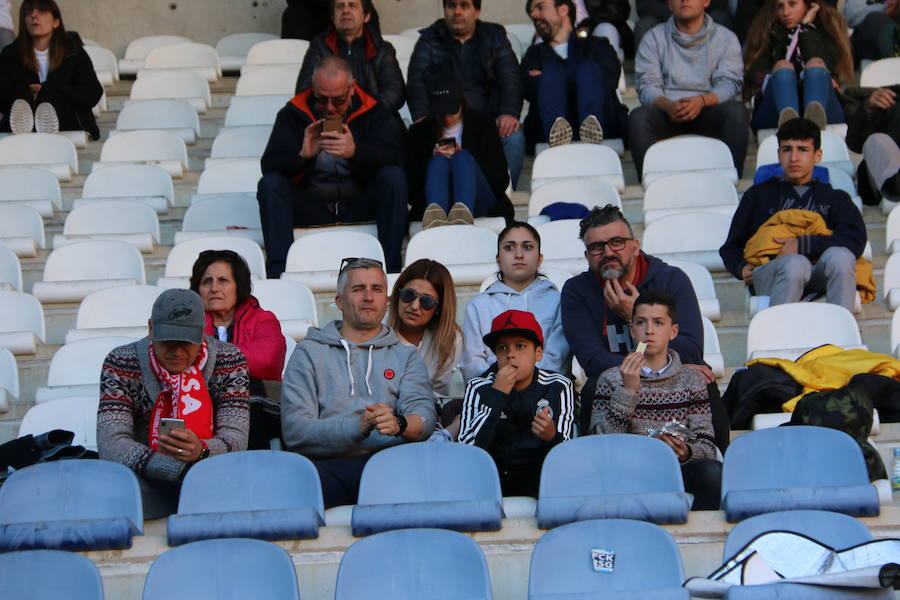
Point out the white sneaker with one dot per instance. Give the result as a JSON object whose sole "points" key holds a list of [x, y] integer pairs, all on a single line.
{"points": [[21, 119], [45, 118], [460, 215], [434, 216], [560, 133], [591, 132]]}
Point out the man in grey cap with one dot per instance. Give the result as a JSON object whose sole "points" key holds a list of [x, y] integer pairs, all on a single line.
{"points": [[172, 399]]}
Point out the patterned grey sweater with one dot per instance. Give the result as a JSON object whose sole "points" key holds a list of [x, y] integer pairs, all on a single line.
{"points": [[678, 394], [128, 390]]}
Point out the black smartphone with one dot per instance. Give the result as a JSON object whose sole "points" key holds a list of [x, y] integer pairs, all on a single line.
{"points": [[447, 141]]}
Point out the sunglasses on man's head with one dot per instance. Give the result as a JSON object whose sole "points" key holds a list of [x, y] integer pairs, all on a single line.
{"points": [[345, 262], [409, 295]]}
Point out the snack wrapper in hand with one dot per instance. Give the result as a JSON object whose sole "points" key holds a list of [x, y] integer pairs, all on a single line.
{"points": [[675, 428]]}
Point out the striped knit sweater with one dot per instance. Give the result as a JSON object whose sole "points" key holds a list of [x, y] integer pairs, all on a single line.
{"points": [[679, 394], [128, 390]]}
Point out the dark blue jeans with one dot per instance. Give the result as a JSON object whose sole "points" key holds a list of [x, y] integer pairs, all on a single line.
{"points": [[573, 91], [786, 90], [284, 204], [461, 176]]}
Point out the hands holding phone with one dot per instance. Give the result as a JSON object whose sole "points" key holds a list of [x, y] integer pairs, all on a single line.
{"points": [[319, 138], [446, 147], [182, 444]]}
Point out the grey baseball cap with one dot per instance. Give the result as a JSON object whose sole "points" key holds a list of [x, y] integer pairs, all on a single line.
{"points": [[178, 315]]}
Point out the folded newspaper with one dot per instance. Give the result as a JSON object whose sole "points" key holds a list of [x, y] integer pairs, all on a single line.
{"points": [[781, 556]]}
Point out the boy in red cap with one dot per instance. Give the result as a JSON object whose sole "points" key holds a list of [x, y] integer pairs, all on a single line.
{"points": [[516, 411]]}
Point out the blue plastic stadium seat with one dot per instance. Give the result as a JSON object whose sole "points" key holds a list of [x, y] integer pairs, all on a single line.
{"points": [[793, 468], [70, 505], [412, 564], [615, 475], [424, 484], [795, 591], [224, 569], [645, 563], [49, 575], [262, 494]]}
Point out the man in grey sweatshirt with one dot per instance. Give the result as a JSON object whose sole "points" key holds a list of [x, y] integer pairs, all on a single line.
{"points": [[689, 73], [351, 388]]}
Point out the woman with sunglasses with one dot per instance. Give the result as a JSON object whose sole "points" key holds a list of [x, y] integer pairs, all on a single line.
{"points": [[519, 287], [423, 314]]}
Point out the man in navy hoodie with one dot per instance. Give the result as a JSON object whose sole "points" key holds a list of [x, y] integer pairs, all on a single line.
{"points": [[791, 274]]}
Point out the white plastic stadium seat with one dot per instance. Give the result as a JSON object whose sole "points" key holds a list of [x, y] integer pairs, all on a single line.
{"points": [[589, 192], [314, 259], [881, 73], [232, 49], [292, 302], [9, 379], [174, 116], [236, 216], [149, 184], [689, 236], [561, 246], [105, 64], [189, 56], [180, 262], [704, 288], [268, 81], [137, 51], [412, 32], [239, 142], [21, 229], [21, 322], [74, 271], [126, 221], [34, 186], [10, 271], [468, 252], [161, 148], [245, 111], [839, 179], [688, 153], [712, 353], [114, 312], [77, 414], [179, 85], [834, 153], [276, 52], [891, 231], [75, 368], [789, 330], [689, 192], [523, 32], [892, 282], [53, 152], [403, 45], [586, 161], [895, 334], [238, 176]]}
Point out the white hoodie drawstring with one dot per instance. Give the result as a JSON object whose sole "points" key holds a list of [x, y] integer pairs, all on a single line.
{"points": [[349, 370], [369, 371]]}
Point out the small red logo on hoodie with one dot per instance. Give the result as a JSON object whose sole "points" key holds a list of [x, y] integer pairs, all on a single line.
{"points": [[388, 373]]}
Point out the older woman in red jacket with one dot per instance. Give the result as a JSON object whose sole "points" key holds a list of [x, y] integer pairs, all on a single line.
{"points": [[222, 278]]}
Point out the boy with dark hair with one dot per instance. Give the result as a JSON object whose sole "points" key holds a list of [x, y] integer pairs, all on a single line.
{"points": [[516, 411], [651, 389], [813, 262]]}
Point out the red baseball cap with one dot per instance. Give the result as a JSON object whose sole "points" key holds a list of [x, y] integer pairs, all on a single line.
{"points": [[514, 322]]}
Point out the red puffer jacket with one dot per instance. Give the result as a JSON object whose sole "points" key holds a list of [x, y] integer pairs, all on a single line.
{"points": [[257, 333]]}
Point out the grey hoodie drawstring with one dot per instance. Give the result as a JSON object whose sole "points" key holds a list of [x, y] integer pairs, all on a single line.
{"points": [[349, 370], [523, 294], [369, 371]]}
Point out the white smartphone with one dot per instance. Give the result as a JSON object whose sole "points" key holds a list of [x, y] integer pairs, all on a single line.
{"points": [[166, 426]]}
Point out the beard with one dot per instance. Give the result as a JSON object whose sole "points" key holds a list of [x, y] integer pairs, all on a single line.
{"points": [[543, 29], [611, 269]]}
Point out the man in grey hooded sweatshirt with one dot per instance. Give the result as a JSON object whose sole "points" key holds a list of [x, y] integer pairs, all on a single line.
{"points": [[689, 72], [351, 388]]}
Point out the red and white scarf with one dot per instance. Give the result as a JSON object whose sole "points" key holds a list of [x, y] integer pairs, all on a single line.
{"points": [[183, 396]]}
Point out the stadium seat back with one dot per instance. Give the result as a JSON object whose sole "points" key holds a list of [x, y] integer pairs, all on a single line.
{"points": [[403, 45], [112, 217], [278, 52], [163, 114], [704, 287], [691, 153], [245, 111], [106, 66], [268, 80], [52, 151], [180, 262], [830, 528], [21, 221], [95, 260], [241, 142], [21, 312], [689, 192], [292, 302], [145, 146], [10, 271], [129, 180], [573, 161], [128, 306], [232, 49], [9, 373], [881, 73], [239, 176], [176, 84], [200, 58], [80, 363], [799, 325], [588, 192], [49, 575], [688, 236], [77, 414], [34, 186]]}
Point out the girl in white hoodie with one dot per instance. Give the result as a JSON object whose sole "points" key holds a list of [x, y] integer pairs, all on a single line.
{"points": [[520, 287]]}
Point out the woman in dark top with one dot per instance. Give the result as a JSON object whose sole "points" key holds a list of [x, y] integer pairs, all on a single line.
{"points": [[455, 162], [47, 80]]}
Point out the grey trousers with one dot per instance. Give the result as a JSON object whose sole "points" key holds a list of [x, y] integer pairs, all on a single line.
{"points": [[882, 158], [788, 278]]}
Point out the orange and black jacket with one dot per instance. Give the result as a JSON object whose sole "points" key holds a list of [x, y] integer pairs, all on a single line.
{"points": [[376, 134]]}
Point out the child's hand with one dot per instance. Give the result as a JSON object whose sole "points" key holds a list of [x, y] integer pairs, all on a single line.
{"points": [[505, 379], [542, 425], [631, 371], [810, 15], [678, 445]]}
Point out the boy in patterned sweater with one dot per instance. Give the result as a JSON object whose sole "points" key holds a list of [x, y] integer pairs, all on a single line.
{"points": [[651, 388]]}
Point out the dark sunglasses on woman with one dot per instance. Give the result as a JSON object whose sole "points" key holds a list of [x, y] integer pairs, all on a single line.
{"points": [[409, 295]]}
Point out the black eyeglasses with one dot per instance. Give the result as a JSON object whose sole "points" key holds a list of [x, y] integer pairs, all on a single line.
{"points": [[615, 244], [369, 262], [322, 101], [409, 295]]}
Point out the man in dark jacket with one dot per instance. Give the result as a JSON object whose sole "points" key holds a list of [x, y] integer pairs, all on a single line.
{"points": [[790, 274], [315, 175], [374, 64], [480, 56], [571, 79]]}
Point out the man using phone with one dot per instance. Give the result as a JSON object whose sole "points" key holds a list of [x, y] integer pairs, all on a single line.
{"points": [[343, 173], [194, 383]]}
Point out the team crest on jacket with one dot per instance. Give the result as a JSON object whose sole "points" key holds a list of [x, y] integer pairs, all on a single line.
{"points": [[544, 403], [388, 373]]}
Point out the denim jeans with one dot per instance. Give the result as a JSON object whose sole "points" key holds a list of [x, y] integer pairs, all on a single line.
{"points": [[514, 149], [460, 176], [574, 91], [785, 90]]}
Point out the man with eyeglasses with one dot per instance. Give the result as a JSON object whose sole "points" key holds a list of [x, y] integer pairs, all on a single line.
{"points": [[332, 158], [352, 388], [597, 305]]}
